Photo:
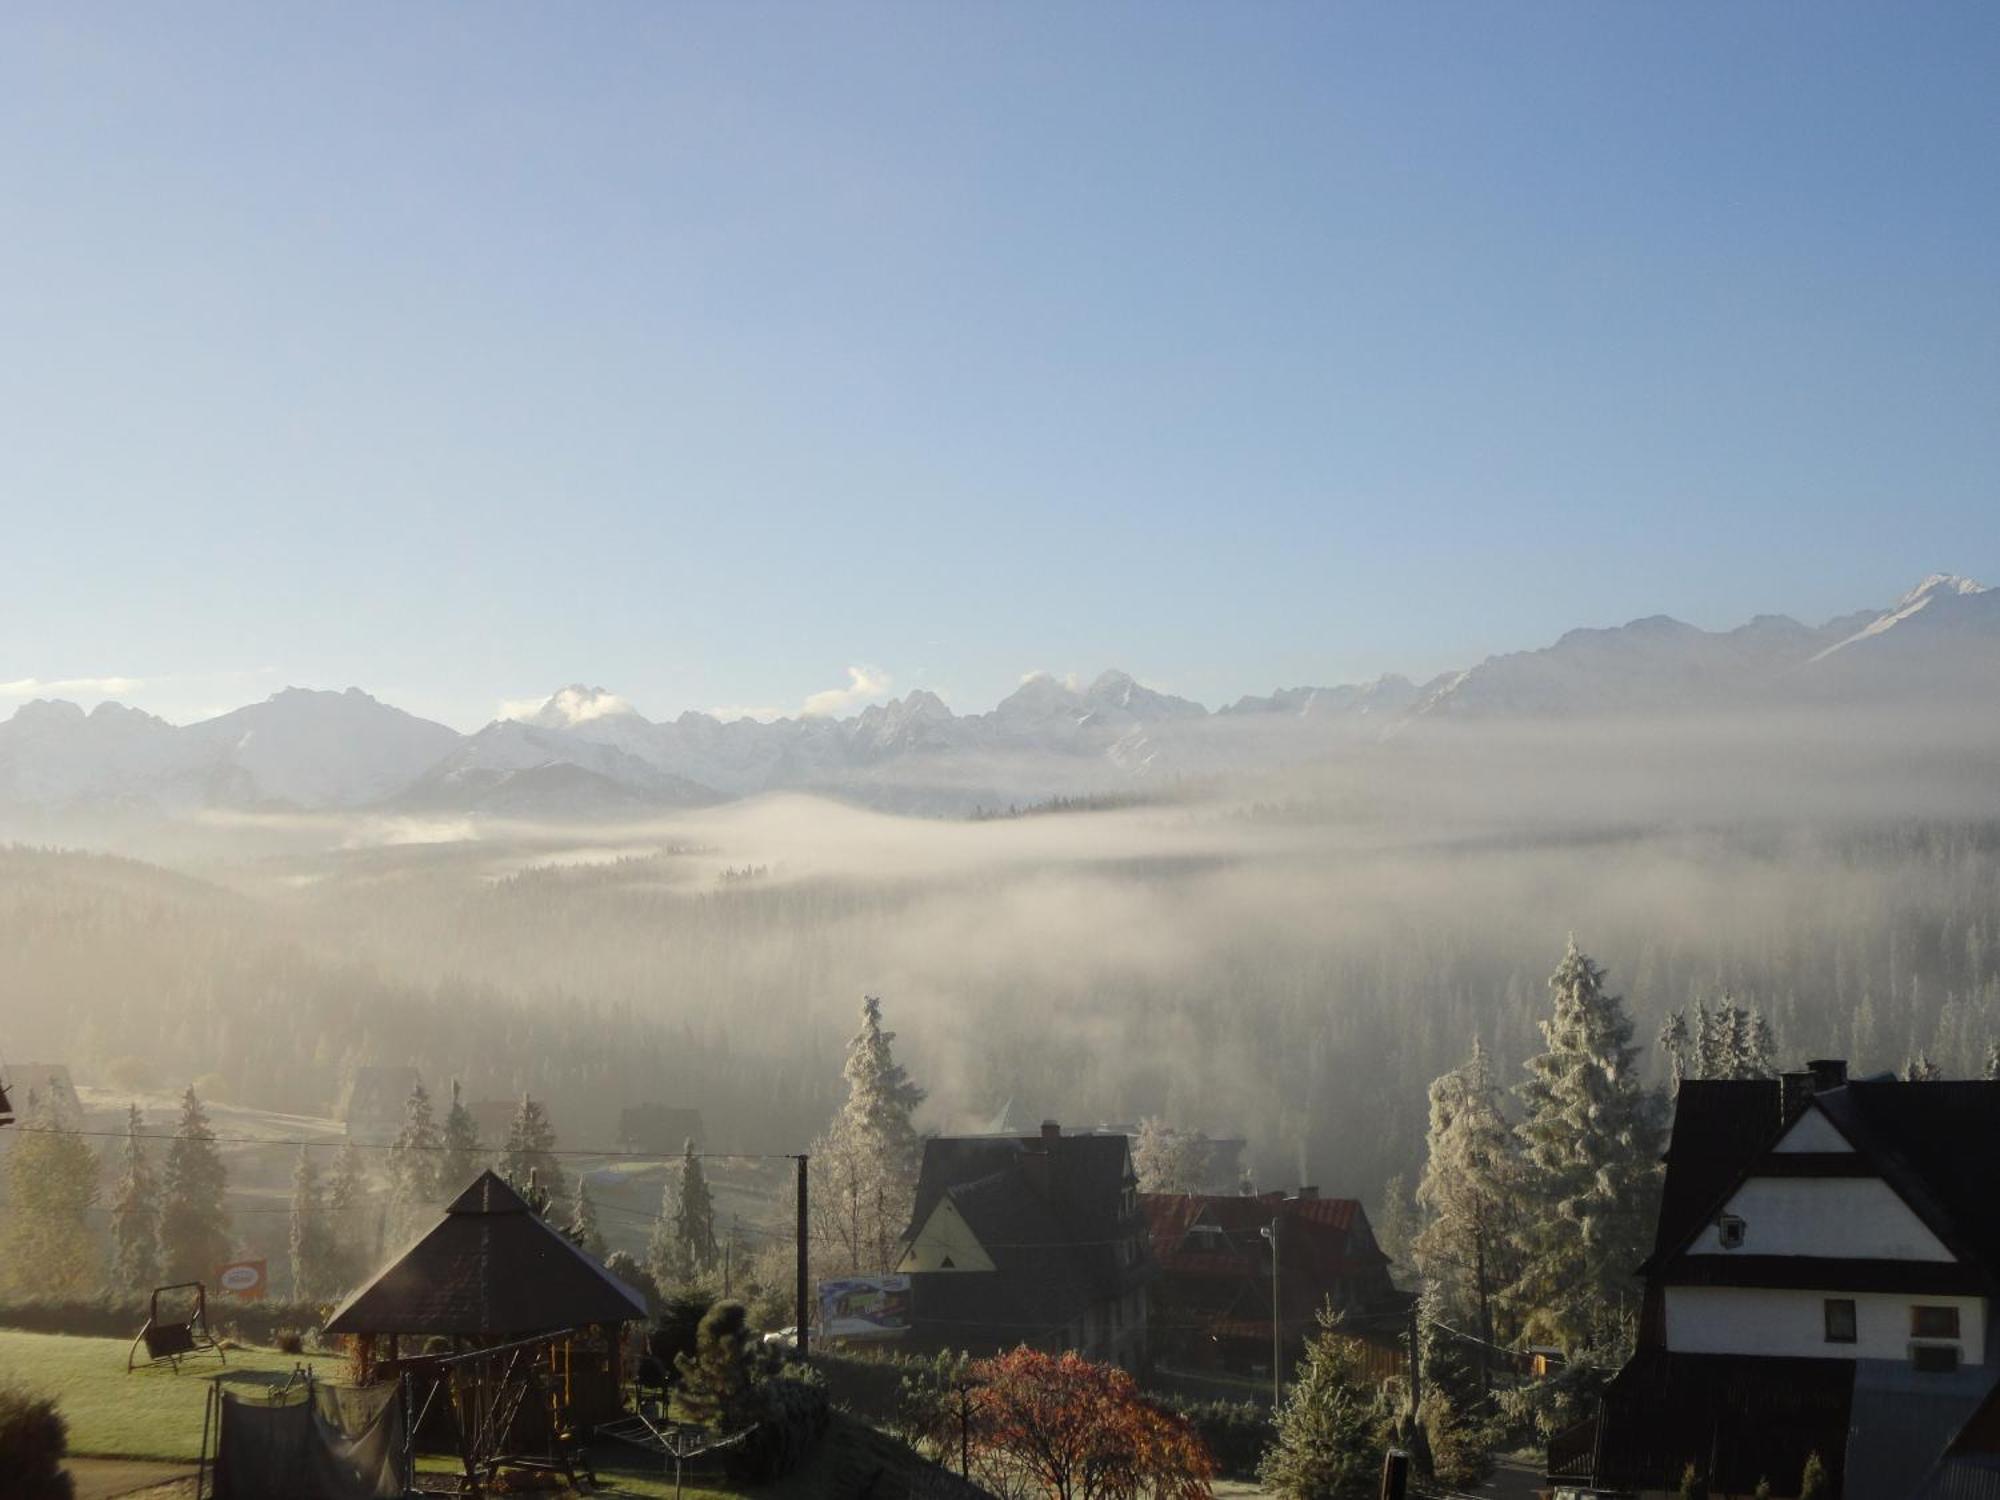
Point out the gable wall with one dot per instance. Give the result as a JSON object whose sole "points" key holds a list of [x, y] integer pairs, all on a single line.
{"points": [[1852, 1218]]}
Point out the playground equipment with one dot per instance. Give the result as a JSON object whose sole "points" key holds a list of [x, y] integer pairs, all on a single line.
{"points": [[175, 1339]]}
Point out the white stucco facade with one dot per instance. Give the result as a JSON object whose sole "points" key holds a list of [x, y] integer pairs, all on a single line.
{"points": [[1785, 1323], [1845, 1218]]}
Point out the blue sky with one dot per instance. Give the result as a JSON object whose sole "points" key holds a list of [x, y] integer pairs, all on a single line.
{"points": [[709, 351]]}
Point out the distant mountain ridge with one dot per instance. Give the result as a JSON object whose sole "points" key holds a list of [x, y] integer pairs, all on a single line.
{"points": [[587, 752]]}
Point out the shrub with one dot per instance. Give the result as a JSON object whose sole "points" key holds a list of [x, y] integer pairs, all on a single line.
{"points": [[33, 1439], [792, 1415], [1237, 1432], [289, 1341]]}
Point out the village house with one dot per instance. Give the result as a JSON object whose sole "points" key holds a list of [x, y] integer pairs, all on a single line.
{"points": [[1823, 1282], [1034, 1239], [1211, 1303]]}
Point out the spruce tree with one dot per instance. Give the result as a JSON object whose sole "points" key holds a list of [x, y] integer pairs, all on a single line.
{"points": [[583, 1231], [1332, 1428], [52, 1184], [1920, 1069], [1471, 1192], [664, 1262], [529, 1153], [194, 1227], [461, 1160], [715, 1387], [135, 1215], [414, 1158], [867, 1161], [1993, 1062], [694, 1219], [346, 1200], [315, 1272], [1590, 1139]]}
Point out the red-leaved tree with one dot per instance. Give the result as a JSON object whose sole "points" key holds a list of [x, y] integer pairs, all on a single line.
{"points": [[1060, 1427]]}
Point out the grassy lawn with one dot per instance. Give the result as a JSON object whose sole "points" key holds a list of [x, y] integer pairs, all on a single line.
{"points": [[151, 1413], [154, 1413]]}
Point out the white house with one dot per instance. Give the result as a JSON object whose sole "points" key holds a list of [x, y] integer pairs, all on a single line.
{"points": [[1823, 1281]]}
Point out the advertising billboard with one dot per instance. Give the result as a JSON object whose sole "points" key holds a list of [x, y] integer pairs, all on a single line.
{"points": [[864, 1307], [242, 1279]]}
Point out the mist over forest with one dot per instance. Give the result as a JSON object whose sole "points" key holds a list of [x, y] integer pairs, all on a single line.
{"points": [[1288, 957]]}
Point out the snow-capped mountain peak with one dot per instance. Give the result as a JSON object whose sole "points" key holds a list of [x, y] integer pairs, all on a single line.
{"points": [[1926, 595]]}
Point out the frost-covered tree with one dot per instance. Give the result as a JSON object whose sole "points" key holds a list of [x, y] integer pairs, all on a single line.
{"points": [[135, 1214], [1398, 1225], [1920, 1069], [194, 1226], [1333, 1425], [1728, 1041], [315, 1263], [52, 1185], [694, 1218], [530, 1152], [1993, 1062], [1471, 1195], [346, 1198], [414, 1158], [583, 1231], [461, 1159], [1590, 1137], [865, 1166], [1167, 1160]]}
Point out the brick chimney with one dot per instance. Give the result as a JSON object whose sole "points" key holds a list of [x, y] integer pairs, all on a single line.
{"points": [[1828, 1073], [1051, 1132]]}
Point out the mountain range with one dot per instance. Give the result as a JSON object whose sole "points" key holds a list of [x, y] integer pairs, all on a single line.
{"points": [[585, 752]]}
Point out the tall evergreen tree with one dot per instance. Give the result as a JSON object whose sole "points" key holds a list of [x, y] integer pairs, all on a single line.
{"points": [[194, 1227], [583, 1231], [1993, 1062], [461, 1159], [664, 1262], [530, 1152], [135, 1215], [52, 1184], [414, 1159], [1920, 1069], [1590, 1136], [346, 1200], [315, 1262], [866, 1163], [694, 1218], [1471, 1193]]}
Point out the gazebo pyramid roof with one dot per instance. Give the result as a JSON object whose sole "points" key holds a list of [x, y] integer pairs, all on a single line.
{"points": [[491, 1267]]}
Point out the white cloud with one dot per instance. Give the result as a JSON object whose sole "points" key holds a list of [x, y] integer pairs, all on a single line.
{"points": [[863, 683], [34, 687], [519, 708]]}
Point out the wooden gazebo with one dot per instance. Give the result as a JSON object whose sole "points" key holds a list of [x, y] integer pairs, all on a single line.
{"points": [[490, 1272]]}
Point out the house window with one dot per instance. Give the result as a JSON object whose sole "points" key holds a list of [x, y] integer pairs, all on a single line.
{"points": [[1840, 1320], [1933, 1322], [1731, 1231]]}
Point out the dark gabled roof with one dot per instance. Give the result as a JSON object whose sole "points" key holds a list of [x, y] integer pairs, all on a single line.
{"points": [[1935, 1145], [490, 1268], [6, 1109], [1721, 1126], [1079, 1182], [1320, 1234], [1931, 1142], [1737, 1418]]}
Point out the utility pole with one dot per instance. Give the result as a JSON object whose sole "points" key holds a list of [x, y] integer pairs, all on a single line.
{"points": [[1277, 1327], [805, 1285]]}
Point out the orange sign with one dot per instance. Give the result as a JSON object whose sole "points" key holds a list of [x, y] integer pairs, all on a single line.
{"points": [[243, 1279]]}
